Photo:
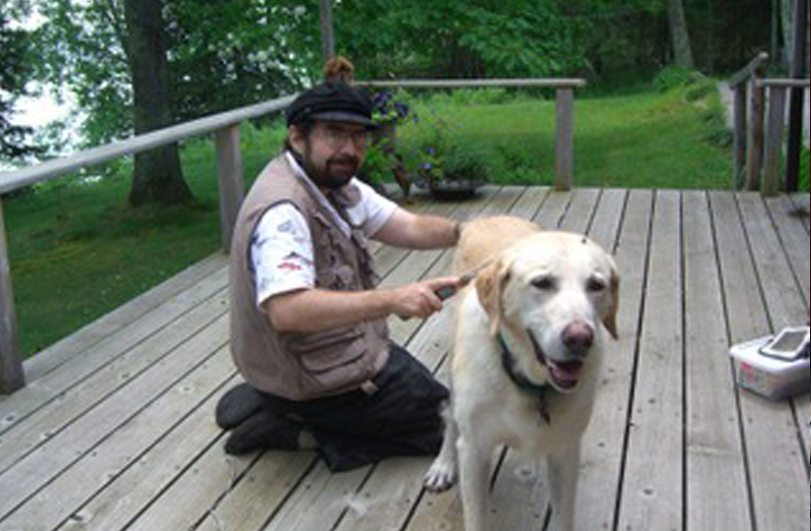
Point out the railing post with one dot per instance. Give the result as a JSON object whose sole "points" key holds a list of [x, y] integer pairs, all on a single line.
{"points": [[11, 369], [795, 123], [774, 140], [754, 160], [564, 138], [739, 133], [230, 179]]}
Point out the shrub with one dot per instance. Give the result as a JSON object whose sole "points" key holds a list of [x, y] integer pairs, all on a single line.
{"points": [[675, 76], [443, 157], [377, 167], [700, 90], [461, 162], [718, 133]]}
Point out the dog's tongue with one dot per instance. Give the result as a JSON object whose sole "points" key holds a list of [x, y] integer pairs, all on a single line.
{"points": [[565, 374]]}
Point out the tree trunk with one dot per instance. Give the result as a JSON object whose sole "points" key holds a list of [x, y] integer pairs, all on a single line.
{"points": [[682, 51], [787, 23], [327, 30], [711, 44], [158, 177]]}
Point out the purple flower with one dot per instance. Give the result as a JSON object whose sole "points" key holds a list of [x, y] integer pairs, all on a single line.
{"points": [[401, 108], [386, 108], [381, 101]]}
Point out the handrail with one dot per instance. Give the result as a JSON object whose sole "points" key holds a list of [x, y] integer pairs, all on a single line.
{"points": [[229, 169], [11, 180], [476, 83], [746, 72], [783, 83], [748, 140]]}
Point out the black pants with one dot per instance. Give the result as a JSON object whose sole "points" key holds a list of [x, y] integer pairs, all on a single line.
{"points": [[355, 429]]}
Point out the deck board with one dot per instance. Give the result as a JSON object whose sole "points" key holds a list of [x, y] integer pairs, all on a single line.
{"points": [[655, 435], [604, 442], [770, 428], [116, 430], [715, 460]]}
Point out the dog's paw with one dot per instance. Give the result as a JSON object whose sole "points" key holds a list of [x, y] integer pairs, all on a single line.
{"points": [[440, 477]]}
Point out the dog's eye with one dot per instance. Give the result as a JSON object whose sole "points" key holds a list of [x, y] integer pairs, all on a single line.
{"points": [[543, 282], [596, 285]]}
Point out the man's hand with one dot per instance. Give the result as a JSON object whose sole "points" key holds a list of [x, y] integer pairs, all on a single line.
{"points": [[315, 310], [420, 299]]}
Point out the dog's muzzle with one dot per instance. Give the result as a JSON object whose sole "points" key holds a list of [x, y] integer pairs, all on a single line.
{"points": [[578, 337], [564, 375]]}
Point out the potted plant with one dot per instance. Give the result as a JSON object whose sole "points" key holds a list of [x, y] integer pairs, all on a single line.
{"points": [[450, 170], [387, 113]]}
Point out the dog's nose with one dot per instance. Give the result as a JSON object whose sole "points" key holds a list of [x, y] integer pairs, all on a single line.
{"points": [[578, 337]]}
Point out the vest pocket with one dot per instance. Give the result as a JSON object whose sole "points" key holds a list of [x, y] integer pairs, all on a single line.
{"points": [[326, 351]]}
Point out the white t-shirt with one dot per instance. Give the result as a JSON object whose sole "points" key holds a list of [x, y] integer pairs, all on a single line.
{"points": [[281, 244]]}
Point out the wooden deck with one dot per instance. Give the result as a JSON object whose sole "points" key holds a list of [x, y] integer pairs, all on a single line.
{"points": [[116, 429]]}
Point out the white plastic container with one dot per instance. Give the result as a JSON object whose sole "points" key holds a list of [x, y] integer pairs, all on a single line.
{"points": [[768, 376]]}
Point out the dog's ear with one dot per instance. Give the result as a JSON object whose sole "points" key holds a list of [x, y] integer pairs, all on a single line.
{"points": [[490, 283], [610, 319]]}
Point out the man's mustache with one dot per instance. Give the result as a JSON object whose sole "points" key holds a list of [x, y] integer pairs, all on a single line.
{"points": [[345, 160]]}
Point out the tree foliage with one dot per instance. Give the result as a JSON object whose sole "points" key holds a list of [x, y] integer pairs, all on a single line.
{"points": [[603, 40], [221, 54], [15, 71], [82, 50], [481, 38], [227, 53]]}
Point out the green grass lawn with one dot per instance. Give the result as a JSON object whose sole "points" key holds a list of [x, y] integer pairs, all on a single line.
{"points": [[646, 140], [78, 252]]}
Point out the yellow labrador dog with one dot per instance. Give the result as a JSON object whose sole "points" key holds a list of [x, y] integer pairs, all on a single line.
{"points": [[527, 351]]}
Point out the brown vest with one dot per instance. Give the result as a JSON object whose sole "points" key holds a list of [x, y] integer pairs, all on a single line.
{"points": [[293, 365]]}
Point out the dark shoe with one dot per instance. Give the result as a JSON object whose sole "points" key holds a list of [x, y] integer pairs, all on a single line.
{"points": [[263, 430], [236, 405]]}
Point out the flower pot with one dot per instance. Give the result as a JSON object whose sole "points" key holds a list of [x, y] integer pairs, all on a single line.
{"points": [[449, 189]]}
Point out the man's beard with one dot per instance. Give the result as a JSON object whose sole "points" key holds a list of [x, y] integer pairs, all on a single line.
{"points": [[336, 172]]}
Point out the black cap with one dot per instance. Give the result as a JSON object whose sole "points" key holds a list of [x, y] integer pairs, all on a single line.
{"points": [[332, 101]]}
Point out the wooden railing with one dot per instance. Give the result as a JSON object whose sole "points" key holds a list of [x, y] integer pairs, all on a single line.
{"points": [[776, 92], [748, 142], [225, 127], [757, 141]]}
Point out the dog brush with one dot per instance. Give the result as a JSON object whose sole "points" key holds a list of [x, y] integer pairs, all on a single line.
{"points": [[446, 292]]}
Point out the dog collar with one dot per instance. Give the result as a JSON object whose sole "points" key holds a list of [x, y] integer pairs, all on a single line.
{"points": [[522, 382]]}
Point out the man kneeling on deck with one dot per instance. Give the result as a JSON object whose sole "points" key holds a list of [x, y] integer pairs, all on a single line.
{"points": [[308, 327]]}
